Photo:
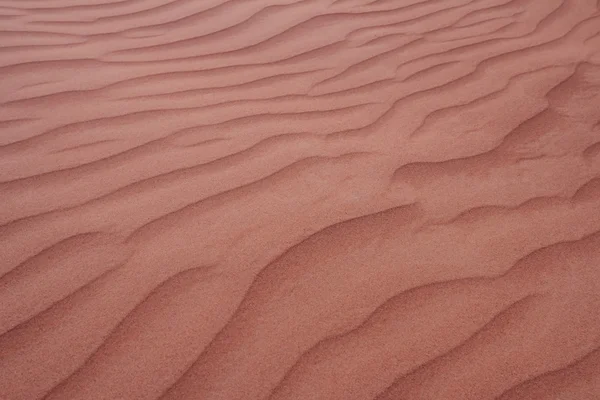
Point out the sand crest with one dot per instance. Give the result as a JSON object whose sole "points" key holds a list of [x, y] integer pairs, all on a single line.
{"points": [[300, 199]]}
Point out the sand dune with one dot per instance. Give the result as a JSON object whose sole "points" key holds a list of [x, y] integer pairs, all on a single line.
{"points": [[300, 199]]}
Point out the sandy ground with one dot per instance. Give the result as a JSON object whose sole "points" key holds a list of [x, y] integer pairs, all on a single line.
{"points": [[300, 199]]}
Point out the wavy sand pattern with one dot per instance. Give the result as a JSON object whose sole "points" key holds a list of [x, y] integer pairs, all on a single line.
{"points": [[300, 199]]}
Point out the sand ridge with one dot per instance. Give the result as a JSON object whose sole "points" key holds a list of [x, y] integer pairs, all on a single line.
{"points": [[300, 199]]}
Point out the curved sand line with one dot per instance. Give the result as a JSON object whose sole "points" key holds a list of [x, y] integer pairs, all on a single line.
{"points": [[300, 199]]}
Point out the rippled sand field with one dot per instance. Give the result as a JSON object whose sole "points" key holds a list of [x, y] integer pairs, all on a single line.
{"points": [[300, 199]]}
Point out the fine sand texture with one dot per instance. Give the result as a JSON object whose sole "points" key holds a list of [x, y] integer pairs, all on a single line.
{"points": [[300, 199]]}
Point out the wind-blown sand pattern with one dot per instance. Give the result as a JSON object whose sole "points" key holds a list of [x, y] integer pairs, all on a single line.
{"points": [[300, 199]]}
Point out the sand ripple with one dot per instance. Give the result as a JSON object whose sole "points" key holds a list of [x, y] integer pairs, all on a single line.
{"points": [[300, 199]]}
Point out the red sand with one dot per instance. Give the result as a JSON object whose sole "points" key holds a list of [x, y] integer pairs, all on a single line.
{"points": [[300, 199]]}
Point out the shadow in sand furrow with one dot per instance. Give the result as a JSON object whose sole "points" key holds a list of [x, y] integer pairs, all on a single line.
{"points": [[576, 380]]}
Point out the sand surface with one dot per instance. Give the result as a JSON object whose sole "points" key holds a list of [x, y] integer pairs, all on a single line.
{"points": [[300, 199]]}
